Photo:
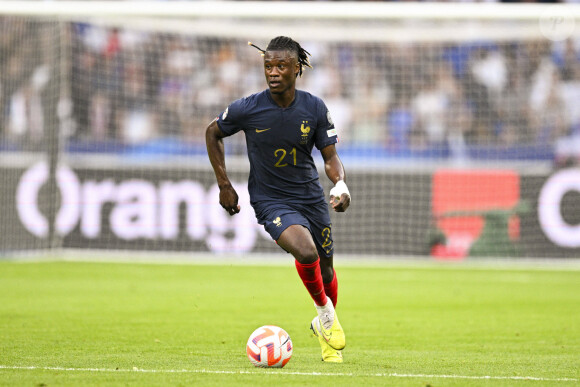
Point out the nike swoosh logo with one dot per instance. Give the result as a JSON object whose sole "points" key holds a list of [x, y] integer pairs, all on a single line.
{"points": [[326, 334], [327, 338], [261, 130]]}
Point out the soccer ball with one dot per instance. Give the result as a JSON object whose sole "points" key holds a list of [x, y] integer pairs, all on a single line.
{"points": [[269, 346]]}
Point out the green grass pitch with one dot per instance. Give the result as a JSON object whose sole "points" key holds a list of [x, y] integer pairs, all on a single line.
{"points": [[114, 324]]}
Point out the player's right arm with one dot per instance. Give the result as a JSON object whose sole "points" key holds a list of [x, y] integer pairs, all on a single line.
{"points": [[215, 150]]}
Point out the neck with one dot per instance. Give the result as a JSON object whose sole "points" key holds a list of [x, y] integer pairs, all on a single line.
{"points": [[285, 99]]}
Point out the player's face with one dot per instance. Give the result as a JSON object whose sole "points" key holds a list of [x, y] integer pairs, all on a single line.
{"points": [[281, 69]]}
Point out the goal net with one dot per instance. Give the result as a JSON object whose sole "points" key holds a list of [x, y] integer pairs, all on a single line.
{"points": [[459, 124]]}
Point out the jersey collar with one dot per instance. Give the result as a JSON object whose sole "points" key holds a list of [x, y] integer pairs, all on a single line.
{"points": [[296, 97]]}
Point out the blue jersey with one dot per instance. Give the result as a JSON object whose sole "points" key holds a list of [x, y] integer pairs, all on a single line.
{"points": [[280, 142]]}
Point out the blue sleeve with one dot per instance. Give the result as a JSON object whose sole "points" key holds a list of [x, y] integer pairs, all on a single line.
{"points": [[231, 120], [325, 132]]}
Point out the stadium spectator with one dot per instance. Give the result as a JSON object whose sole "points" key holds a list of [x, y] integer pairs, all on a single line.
{"points": [[484, 81], [513, 109], [22, 78], [400, 126], [458, 118], [431, 102], [569, 65], [549, 118]]}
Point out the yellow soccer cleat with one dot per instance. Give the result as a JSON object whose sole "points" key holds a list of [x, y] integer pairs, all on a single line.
{"points": [[330, 329], [335, 335], [329, 354]]}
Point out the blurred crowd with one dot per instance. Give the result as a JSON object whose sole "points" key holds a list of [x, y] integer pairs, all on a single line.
{"points": [[129, 87]]}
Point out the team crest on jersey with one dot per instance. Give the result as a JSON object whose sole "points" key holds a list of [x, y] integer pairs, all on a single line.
{"points": [[305, 129]]}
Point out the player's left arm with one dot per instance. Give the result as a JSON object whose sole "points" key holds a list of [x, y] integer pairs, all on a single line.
{"points": [[339, 195]]}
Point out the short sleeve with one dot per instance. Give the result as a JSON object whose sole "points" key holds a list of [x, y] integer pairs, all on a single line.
{"points": [[231, 120], [325, 131]]}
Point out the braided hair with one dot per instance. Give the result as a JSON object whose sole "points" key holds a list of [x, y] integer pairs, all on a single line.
{"points": [[283, 43]]}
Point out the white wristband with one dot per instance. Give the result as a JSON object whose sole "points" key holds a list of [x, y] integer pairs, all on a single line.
{"points": [[339, 188]]}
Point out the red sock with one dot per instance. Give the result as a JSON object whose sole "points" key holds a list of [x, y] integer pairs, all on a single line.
{"points": [[310, 275], [331, 289]]}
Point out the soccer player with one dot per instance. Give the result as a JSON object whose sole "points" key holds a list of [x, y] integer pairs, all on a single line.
{"points": [[282, 124]]}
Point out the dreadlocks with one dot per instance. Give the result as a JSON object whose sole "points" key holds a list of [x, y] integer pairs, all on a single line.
{"points": [[283, 43]]}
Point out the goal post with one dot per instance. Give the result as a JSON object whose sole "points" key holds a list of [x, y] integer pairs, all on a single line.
{"points": [[457, 124]]}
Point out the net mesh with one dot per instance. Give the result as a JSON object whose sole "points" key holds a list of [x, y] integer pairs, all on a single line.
{"points": [[448, 139]]}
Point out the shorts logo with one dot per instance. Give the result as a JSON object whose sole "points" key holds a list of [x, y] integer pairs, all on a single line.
{"points": [[277, 222], [225, 114]]}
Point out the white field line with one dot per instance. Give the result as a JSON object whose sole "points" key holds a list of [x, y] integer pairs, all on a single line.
{"points": [[242, 372]]}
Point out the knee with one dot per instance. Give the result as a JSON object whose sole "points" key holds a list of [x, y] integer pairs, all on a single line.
{"points": [[306, 253]]}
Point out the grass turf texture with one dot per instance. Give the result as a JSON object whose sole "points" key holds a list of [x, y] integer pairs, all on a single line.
{"points": [[142, 324]]}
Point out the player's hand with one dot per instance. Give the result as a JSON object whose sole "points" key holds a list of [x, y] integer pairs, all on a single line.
{"points": [[340, 197], [340, 205], [229, 199]]}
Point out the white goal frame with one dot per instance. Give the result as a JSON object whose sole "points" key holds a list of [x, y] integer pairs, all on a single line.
{"points": [[213, 18]]}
